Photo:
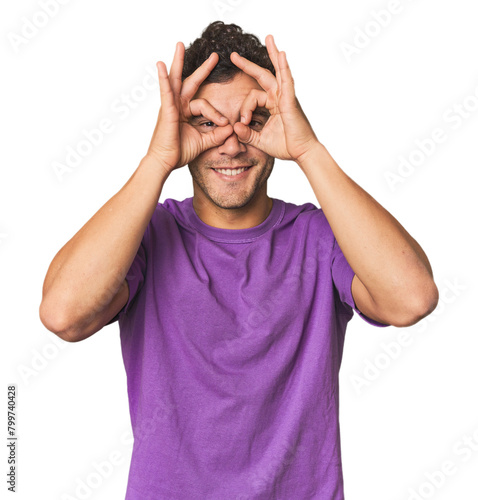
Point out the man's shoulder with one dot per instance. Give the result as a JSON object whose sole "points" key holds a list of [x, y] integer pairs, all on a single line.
{"points": [[171, 204], [305, 210], [171, 209], [300, 208], [179, 212]]}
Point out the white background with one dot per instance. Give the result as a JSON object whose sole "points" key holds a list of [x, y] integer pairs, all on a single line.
{"points": [[414, 410]]}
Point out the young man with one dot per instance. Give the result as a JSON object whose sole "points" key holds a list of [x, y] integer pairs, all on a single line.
{"points": [[232, 305]]}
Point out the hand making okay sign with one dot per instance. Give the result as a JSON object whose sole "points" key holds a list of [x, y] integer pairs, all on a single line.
{"points": [[287, 134], [175, 141]]}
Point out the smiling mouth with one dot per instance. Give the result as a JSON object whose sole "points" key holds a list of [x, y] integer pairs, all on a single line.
{"points": [[232, 172]]}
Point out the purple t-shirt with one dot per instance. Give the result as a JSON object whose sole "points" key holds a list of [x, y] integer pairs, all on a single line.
{"points": [[232, 341]]}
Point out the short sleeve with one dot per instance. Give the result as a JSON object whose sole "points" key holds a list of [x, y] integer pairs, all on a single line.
{"points": [[342, 275], [134, 277]]}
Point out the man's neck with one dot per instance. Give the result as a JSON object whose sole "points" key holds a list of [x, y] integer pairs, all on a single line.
{"points": [[251, 215]]}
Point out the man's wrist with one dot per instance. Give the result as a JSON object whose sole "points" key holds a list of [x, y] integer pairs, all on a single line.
{"points": [[154, 164], [310, 159]]}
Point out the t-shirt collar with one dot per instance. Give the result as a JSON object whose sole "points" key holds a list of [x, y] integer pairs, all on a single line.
{"points": [[236, 235]]}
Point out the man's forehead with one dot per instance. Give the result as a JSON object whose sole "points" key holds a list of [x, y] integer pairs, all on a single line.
{"points": [[234, 90], [227, 98]]}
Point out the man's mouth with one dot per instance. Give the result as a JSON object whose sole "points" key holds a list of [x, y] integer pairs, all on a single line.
{"points": [[237, 172]]}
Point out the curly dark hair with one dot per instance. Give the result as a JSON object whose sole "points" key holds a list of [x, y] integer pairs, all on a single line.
{"points": [[224, 39]]}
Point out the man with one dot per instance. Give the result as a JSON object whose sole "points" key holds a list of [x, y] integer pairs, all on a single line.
{"points": [[232, 305]]}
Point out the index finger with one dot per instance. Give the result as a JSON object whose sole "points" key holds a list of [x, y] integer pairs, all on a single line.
{"points": [[263, 76], [177, 68], [192, 83], [273, 55]]}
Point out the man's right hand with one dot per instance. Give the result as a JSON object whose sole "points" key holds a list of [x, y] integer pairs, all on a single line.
{"points": [[175, 141]]}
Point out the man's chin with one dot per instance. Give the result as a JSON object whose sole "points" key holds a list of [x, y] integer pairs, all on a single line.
{"points": [[232, 202]]}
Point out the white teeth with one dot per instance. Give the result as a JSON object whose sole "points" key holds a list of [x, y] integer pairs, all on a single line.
{"points": [[230, 172]]}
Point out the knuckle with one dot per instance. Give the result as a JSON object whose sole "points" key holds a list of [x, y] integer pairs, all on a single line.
{"points": [[202, 102]]}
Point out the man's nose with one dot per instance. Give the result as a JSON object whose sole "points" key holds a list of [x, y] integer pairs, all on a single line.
{"points": [[232, 146]]}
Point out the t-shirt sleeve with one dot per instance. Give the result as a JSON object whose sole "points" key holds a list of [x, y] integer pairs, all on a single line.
{"points": [[342, 275], [134, 277]]}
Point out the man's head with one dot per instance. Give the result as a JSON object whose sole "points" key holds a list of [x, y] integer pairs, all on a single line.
{"points": [[224, 39], [226, 88]]}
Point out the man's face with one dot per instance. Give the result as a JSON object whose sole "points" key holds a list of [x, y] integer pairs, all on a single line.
{"points": [[223, 190]]}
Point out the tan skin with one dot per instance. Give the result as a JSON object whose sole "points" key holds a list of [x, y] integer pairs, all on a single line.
{"points": [[393, 280], [200, 126], [85, 285], [190, 131], [234, 202]]}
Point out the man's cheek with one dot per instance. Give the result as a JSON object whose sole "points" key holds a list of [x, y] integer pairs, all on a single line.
{"points": [[259, 154]]}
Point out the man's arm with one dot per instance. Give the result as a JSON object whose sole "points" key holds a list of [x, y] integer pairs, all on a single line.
{"points": [[393, 280], [85, 285]]}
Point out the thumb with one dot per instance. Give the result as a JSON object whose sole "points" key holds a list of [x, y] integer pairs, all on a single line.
{"points": [[246, 134], [216, 137]]}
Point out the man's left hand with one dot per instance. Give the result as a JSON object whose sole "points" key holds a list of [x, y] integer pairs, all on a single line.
{"points": [[287, 134]]}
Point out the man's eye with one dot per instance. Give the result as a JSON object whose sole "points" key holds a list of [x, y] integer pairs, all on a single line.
{"points": [[255, 124], [208, 124]]}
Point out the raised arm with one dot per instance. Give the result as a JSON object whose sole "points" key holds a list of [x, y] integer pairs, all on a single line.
{"points": [[393, 280], [85, 285]]}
